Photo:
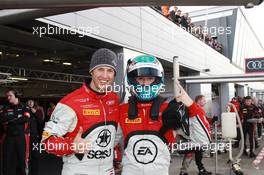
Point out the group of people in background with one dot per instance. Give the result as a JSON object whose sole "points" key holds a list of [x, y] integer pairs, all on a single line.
{"points": [[184, 21], [251, 112], [21, 128]]}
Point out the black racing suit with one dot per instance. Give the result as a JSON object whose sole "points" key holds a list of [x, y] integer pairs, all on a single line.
{"points": [[15, 149], [248, 112]]}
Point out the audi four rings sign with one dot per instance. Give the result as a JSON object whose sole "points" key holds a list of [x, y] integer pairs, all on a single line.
{"points": [[254, 65]]}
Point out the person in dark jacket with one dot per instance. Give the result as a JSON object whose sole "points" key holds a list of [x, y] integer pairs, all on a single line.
{"points": [[34, 140], [173, 10], [184, 23], [247, 113], [15, 118]]}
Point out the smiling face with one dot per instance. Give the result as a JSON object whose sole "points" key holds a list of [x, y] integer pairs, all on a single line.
{"points": [[102, 77]]}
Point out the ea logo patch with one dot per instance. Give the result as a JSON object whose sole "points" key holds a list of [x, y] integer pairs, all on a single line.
{"points": [[145, 151]]}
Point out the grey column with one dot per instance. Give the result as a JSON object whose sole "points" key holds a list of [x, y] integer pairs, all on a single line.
{"points": [[241, 91], [227, 91]]}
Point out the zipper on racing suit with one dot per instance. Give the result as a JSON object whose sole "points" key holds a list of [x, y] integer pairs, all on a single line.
{"points": [[104, 111], [144, 113]]}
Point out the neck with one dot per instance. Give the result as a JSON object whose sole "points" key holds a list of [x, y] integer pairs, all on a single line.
{"points": [[94, 88]]}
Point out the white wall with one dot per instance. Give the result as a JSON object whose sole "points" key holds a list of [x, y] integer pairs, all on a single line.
{"points": [[246, 44]]}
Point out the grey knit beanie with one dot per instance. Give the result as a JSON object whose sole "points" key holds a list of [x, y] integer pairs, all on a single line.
{"points": [[103, 57]]}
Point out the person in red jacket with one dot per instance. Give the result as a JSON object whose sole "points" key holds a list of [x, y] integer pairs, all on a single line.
{"points": [[148, 120], [236, 103], [83, 125], [199, 133]]}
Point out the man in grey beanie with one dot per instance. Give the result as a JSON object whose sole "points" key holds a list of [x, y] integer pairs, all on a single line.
{"points": [[102, 58], [85, 122]]}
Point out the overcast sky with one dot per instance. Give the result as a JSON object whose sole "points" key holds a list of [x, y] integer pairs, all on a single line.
{"points": [[255, 17]]}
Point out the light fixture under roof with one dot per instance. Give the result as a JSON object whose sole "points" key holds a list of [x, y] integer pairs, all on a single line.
{"points": [[249, 5], [18, 78], [67, 63], [48, 60]]}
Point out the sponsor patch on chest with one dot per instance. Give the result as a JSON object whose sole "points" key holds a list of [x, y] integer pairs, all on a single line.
{"points": [[110, 102], [136, 120], [91, 112]]}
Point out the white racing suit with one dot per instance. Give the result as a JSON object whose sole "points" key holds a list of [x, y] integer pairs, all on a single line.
{"points": [[98, 115], [148, 137]]}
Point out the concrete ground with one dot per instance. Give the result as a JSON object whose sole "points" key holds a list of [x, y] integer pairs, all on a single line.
{"points": [[223, 166]]}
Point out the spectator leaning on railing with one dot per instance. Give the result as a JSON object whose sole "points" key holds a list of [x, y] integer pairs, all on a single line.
{"points": [[173, 10], [178, 17], [184, 24], [184, 21], [165, 11]]}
